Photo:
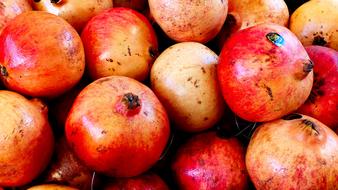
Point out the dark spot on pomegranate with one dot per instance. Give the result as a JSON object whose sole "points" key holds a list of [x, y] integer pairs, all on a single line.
{"points": [[129, 51], [110, 60], [55, 1], [292, 116], [203, 70], [189, 79], [36, 1], [319, 40], [206, 119], [145, 113], [199, 102], [103, 132], [269, 91], [131, 100]]}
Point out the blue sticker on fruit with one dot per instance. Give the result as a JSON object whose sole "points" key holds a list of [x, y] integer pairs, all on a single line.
{"points": [[275, 38]]}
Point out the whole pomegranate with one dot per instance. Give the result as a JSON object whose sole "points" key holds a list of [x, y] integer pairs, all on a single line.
{"points": [[26, 139], [119, 41], [264, 72], [322, 103], [148, 181], [76, 12], [296, 152], [207, 161], [117, 126], [10, 9], [41, 55], [193, 20]]}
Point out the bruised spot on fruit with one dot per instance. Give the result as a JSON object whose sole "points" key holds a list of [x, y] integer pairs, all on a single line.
{"points": [[36, 1], [131, 100], [101, 149], [292, 116], [316, 89], [319, 40], [3, 71], [275, 38]]}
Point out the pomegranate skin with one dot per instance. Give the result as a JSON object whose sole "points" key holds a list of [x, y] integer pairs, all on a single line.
{"points": [[322, 103], [209, 162], [113, 135], [41, 55], [26, 139], [10, 9], [263, 79], [297, 152], [119, 41]]}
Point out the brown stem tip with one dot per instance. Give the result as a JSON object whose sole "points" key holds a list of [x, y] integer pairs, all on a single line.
{"points": [[131, 100]]}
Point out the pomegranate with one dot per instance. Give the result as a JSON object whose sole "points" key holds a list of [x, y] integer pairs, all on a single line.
{"points": [[67, 169], [41, 55], [207, 161], [139, 5], [264, 73], [119, 41], [76, 12], [194, 20], [184, 78], [322, 103], [117, 127], [10, 9], [147, 181], [296, 152], [315, 23], [51, 187], [26, 139]]}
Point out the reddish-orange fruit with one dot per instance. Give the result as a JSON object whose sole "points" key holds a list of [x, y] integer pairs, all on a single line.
{"points": [[119, 41], [296, 152], [26, 139], [117, 126], [209, 162], [264, 72], [41, 55]]}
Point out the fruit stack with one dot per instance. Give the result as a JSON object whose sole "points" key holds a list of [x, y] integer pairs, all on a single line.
{"points": [[168, 94]]}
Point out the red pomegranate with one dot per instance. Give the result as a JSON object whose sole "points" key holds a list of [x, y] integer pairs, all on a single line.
{"points": [[26, 139], [323, 101], [209, 162], [117, 126], [264, 72], [296, 152], [147, 181], [41, 55], [119, 41]]}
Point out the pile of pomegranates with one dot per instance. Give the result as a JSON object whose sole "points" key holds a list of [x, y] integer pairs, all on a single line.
{"points": [[168, 94]]}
